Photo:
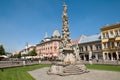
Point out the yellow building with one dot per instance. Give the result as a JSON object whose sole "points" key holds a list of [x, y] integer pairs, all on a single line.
{"points": [[110, 36]]}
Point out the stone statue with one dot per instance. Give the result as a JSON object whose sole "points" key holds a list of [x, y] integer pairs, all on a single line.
{"points": [[65, 8]]}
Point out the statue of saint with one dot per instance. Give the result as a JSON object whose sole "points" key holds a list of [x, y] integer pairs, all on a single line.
{"points": [[65, 7]]}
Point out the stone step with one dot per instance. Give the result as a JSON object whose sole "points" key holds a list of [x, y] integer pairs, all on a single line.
{"points": [[73, 69], [65, 74]]}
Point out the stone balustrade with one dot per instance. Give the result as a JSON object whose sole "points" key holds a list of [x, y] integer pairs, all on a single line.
{"points": [[6, 64], [106, 62]]}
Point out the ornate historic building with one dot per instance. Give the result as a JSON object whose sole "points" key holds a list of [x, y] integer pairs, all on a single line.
{"points": [[75, 45], [90, 47], [111, 42], [27, 49], [49, 47]]}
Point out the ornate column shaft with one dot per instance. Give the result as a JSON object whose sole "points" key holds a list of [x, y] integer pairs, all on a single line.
{"points": [[66, 41]]}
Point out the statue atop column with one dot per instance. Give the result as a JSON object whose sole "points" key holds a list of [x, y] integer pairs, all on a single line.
{"points": [[68, 66], [66, 45], [66, 41]]}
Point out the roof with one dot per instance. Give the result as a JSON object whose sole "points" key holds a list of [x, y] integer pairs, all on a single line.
{"points": [[76, 41], [92, 38], [107, 27], [56, 33]]}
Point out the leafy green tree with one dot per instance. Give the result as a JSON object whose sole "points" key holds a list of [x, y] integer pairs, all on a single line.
{"points": [[32, 53], [14, 56], [24, 55], [19, 55], [11, 56], [2, 50]]}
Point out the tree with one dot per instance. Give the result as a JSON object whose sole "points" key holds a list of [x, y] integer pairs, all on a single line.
{"points": [[15, 56], [2, 50], [19, 55], [24, 55], [32, 53]]}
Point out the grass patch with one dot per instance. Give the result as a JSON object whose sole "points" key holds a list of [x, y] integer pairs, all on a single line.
{"points": [[19, 73], [103, 67]]}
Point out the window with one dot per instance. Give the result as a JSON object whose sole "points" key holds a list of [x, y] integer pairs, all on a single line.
{"points": [[103, 35], [81, 49], [108, 44], [51, 47], [112, 44], [86, 48], [105, 45], [111, 32], [118, 44], [116, 32], [119, 32], [98, 47], [55, 48], [107, 35], [91, 47]]}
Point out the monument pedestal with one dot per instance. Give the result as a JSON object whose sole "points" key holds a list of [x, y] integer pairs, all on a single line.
{"points": [[63, 69]]}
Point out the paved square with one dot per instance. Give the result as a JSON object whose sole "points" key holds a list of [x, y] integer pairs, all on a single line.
{"points": [[41, 74]]}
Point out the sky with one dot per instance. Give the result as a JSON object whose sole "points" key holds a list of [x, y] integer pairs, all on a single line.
{"points": [[24, 21]]}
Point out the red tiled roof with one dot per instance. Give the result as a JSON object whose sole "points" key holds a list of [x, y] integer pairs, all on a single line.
{"points": [[75, 41]]}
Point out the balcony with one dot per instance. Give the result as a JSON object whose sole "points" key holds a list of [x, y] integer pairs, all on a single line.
{"points": [[105, 40], [117, 38], [96, 51], [110, 49]]}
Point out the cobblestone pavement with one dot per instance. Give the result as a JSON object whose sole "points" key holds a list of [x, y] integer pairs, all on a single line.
{"points": [[41, 74]]}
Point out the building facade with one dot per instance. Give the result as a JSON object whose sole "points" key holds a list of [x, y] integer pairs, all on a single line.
{"points": [[49, 47], [75, 45], [111, 42], [105, 46], [90, 48], [27, 49]]}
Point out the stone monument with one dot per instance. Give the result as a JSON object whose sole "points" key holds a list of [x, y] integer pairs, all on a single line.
{"points": [[69, 65]]}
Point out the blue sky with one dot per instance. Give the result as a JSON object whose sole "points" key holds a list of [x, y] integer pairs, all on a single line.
{"points": [[24, 21]]}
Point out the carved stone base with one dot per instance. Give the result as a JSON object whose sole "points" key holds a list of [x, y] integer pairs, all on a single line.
{"points": [[65, 69], [69, 59]]}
